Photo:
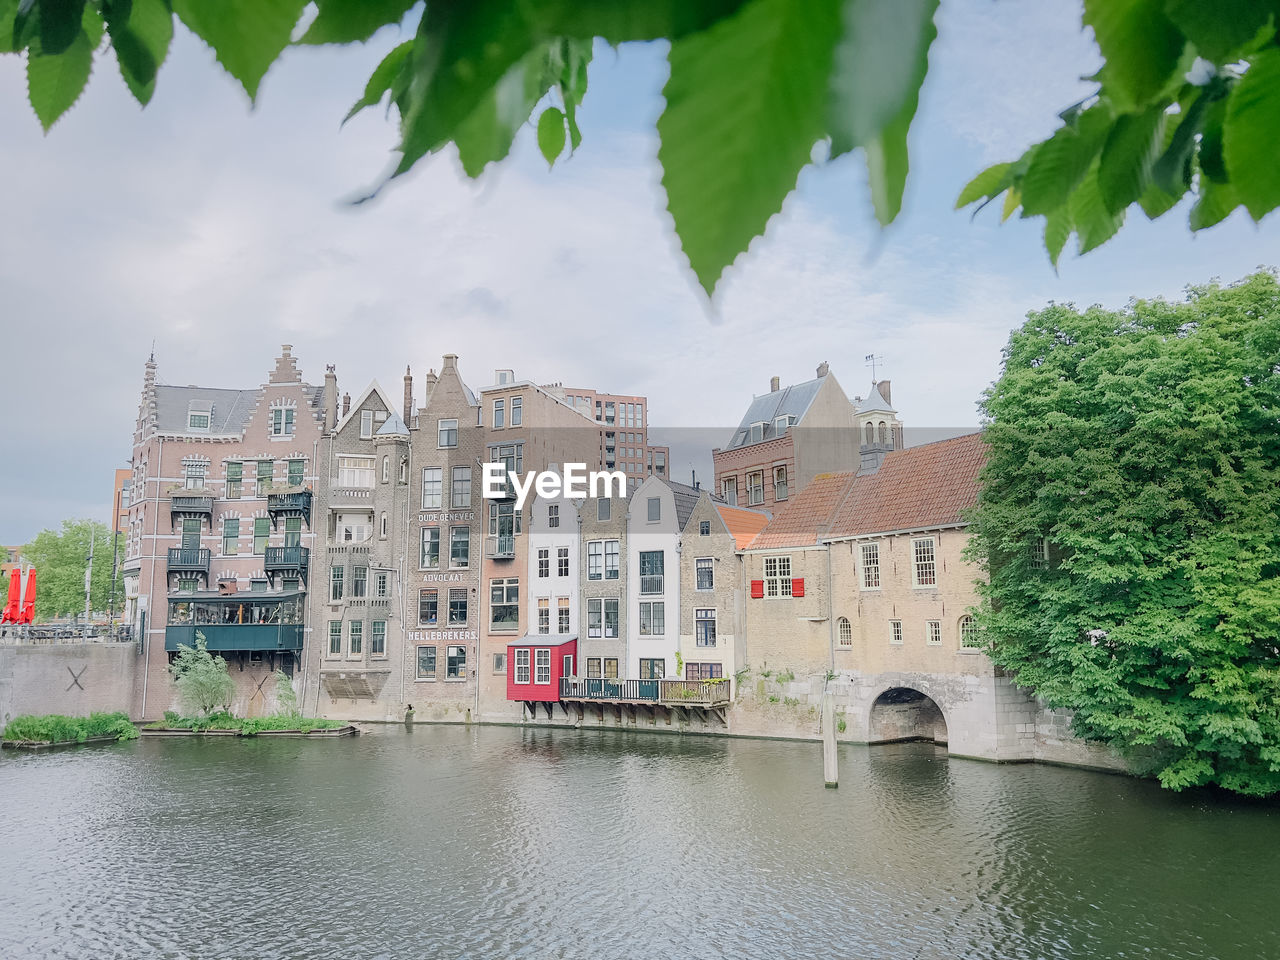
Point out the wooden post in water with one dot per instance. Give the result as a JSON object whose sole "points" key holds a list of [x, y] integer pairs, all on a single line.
{"points": [[830, 765]]}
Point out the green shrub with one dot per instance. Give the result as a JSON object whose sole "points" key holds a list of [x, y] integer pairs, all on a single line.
{"points": [[56, 728], [203, 682], [786, 676]]}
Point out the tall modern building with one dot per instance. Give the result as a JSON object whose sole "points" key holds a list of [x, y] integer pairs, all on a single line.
{"points": [[624, 431]]}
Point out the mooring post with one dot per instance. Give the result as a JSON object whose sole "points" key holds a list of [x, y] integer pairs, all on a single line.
{"points": [[830, 771]]}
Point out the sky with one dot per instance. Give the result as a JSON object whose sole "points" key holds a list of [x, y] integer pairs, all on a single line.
{"points": [[218, 232]]}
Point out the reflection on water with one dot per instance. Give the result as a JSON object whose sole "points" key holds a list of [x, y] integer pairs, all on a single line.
{"points": [[502, 842]]}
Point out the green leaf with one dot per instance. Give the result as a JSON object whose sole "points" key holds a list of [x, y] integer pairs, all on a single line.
{"points": [[1060, 163], [1057, 230], [887, 167], [8, 17], [988, 183], [880, 62], [1216, 202], [1141, 47], [1172, 171], [1156, 201], [60, 24], [745, 105], [1012, 200], [1132, 147], [345, 21], [1249, 135], [381, 79], [55, 81], [551, 135], [1221, 28], [1094, 223], [1212, 164], [141, 33], [246, 35], [573, 86]]}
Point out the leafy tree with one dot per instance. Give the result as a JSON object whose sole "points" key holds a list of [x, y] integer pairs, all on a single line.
{"points": [[1144, 446], [60, 560], [754, 86], [203, 681], [286, 696]]}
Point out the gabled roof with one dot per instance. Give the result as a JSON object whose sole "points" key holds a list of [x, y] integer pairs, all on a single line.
{"points": [[794, 401], [394, 427], [805, 520], [742, 524], [874, 402], [686, 499], [915, 489], [355, 407]]}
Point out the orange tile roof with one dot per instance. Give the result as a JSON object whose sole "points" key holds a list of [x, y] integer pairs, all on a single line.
{"points": [[743, 524], [804, 520], [917, 488]]}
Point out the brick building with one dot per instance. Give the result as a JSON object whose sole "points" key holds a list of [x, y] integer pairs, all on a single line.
{"points": [[624, 432]]}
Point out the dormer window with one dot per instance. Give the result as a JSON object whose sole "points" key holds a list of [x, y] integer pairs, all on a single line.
{"points": [[780, 424], [757, 431], [199, 416]]}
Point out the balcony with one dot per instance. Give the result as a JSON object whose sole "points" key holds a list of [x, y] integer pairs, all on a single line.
{"points": [[189, 560], [694, 693], [669, 693], [191, 505], [228, 638], [502, 547], [294, 503], [286, 562], [347, 499]]}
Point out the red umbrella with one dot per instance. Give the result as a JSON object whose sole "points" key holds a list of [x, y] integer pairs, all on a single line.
{"points": [[29, 598], [14, 607]]}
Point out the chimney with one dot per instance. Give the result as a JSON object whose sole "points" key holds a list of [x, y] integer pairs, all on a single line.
{"points": [[346, 404], [408, 396], [429, 384], [884, 392], [450, 361], [775, 384], [330, 398], [823, 369]]}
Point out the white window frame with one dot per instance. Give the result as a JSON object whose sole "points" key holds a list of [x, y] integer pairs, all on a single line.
{"points": [[460, 490], [432, 480], [970, 638], [516, 411], [544, 615], [1039, 554], [777, 584], [933, 633], [700, 616], [366, 424], [869, 557], [500, 414], [924, 568], [895, 633], [701, 564], [755, 488], [844, 632], [651, 612], [446, 430], [780, 471], [542, 667], [522, 665]]}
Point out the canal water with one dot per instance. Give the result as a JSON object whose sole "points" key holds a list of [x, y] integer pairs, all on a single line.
{"points": [[505, 842]]}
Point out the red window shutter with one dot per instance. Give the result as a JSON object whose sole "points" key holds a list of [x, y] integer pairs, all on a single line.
{"points": [[797, 587], [757, 589]]}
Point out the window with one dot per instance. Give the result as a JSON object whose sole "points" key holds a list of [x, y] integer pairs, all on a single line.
{"points": [[457, 606], [705, 574], [404, 470], [651, 571], [504, 604], [871, 566], [380, 580], [655, 509], [447, 433], [933, 633], [595, 560], [703, 671], [193, 475], [653, 619], [366, 424], [777, 576], [499, 663], [266, 471], [562, 561], [428, 608], [354, 527], [198, 422], [652, 669], [429, 556], [230, 536], [459, 547], [235, 477], [522, 666], [611, 618], [1040, 554], [504, 522], [257, 586], [356, 637], [335, 583], [356, 472], [296, 472], [969, 636], [704, 528], [335, 638], [261, 533], [426, 663], [461, 494], [282, 421], [780, 425], [553, 516], [757, 432], [602, 618], [386, 469], [779, 483], [378, 638], [755, 488], [924, 572], [844, 629], [456, 664], [499, 414], [731, 491], [704, 627], [516, 412], [544, 563], [602, 508], [895, 632], [542, 666], [611, 668], [382, 525], [562, 611], [593, 668], [431, 487], [359, 581]]}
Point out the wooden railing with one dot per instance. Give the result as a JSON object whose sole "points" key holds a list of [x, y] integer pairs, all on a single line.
{"points": [[695, 693], [644, 691]]}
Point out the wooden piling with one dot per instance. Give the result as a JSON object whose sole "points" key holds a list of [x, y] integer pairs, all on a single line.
{"points": [[830, 766]]}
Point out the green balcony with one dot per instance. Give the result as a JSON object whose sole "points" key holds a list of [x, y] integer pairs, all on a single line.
{"points": [[234, 638], [294, 503], [190, 505], [245, 620], [286, 562]]}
